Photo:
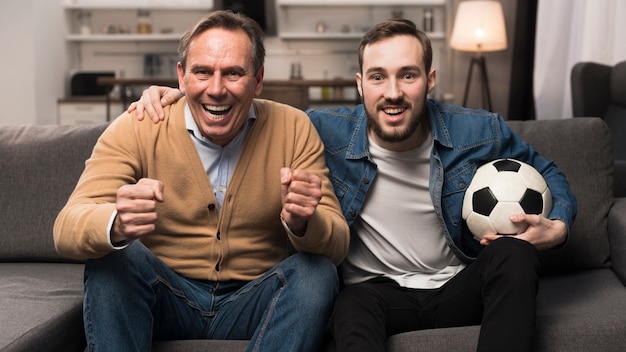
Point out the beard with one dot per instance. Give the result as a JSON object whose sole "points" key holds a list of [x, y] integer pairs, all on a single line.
{"points": [[398, 134]]}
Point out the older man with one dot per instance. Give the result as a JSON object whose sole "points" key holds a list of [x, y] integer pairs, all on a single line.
{"points": [[189, 225]]}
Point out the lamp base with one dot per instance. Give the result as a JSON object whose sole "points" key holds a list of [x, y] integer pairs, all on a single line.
{"points": [[479, 61]]}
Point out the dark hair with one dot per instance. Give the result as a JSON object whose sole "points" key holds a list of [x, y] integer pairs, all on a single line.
{"points": [[394, 27], [228, 20]]}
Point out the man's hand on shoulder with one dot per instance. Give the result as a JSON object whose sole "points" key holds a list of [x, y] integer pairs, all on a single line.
{"points": [[152, 101]]}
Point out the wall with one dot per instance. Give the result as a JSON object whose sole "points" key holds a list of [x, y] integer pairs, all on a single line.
{"points": [[17, 64], [319, 58], [32, 62], [50, 60]]}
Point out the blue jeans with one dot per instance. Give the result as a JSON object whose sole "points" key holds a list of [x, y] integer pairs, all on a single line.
{"points": [[133, 298]]}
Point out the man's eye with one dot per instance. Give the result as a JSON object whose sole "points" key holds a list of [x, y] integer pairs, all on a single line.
{"points": [[377, 77], [201, 74], [233, 75]]}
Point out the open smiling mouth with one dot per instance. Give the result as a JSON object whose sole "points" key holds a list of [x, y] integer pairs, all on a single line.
{"points": [[216, 112], [394, 111]]}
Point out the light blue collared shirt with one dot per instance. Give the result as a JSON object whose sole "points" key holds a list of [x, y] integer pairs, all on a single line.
{"points": [[219, 162]]}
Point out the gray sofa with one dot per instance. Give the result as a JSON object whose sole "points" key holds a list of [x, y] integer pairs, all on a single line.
{"points": [[582, 297]]}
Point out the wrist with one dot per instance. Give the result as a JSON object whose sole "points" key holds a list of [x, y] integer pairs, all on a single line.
{"points": [[289, 230], [116, 237]]}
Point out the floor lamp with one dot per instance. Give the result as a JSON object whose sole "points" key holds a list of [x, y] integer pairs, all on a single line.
{"points": [[479, 27]]}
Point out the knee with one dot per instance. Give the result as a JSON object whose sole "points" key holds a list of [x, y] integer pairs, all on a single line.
{"points": [[517, 257], [312, 275], [513, 248], [118, 267], [314, 267], [136, 251]]}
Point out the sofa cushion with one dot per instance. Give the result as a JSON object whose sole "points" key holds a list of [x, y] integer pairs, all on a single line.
{"points": [[39, 168], [581, 149], [581, 311], [41, 305]]}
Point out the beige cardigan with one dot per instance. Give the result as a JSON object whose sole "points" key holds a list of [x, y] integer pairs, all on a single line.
{"points": [[246, 238]]}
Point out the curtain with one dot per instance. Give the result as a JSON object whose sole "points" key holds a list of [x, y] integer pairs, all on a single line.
{"points": [[521, 100], [570, 31]]}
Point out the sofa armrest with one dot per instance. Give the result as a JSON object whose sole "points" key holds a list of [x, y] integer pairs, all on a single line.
{"points": [[617, 237]]}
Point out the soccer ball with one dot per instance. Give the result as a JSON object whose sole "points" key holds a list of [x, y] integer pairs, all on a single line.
{"points": [[502, 188]]}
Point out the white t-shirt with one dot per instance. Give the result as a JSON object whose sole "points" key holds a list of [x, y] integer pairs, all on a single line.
{"points": [[397, 234]]}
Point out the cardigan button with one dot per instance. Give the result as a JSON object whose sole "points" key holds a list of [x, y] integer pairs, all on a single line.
{"points": [[211, 206]]}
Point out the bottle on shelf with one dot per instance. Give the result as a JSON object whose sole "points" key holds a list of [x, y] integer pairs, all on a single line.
{"points": [[296, 70], [428, 25], [325, 89], [84, 22], [144, 22], [337, 91]]}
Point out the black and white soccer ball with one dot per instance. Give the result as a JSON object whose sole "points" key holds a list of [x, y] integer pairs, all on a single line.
{"points": [[501, 188]]}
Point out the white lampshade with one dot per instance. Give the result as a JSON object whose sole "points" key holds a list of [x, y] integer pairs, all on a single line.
{"points": [[479, 26]]}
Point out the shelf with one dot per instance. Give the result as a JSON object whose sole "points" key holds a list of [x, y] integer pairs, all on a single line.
{"points": [[87, 99], [360, 2], [117, 21], [123, 37], [350, 19], [320, 36], [339, 35], [137, 4]]}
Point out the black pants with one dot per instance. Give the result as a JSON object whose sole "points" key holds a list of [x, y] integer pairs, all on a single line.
{"points": [[498, 291]]}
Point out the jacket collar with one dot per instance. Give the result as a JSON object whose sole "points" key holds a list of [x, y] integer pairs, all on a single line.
{"points": [[358, 147], [438, 128]]}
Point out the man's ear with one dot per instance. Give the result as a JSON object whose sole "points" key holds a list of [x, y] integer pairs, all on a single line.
{"points": [[258, 88], [432, 80], [181, 77], [359, 84]]}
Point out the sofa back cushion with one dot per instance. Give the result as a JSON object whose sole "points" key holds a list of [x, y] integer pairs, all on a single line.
{"points": [[39, 168], [581, 148], [40, 165]]}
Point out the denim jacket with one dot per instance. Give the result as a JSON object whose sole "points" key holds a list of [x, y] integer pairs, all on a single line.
{"points": [[463, 140]]}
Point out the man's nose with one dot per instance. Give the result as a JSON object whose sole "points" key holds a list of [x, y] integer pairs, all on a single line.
{"points": [[394, 90], [216, 85]]}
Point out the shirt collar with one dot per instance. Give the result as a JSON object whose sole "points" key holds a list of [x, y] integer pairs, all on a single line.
{"points": [[194, 130]]}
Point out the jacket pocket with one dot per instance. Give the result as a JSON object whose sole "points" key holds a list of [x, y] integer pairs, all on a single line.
{"points": [[453, 193]]}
